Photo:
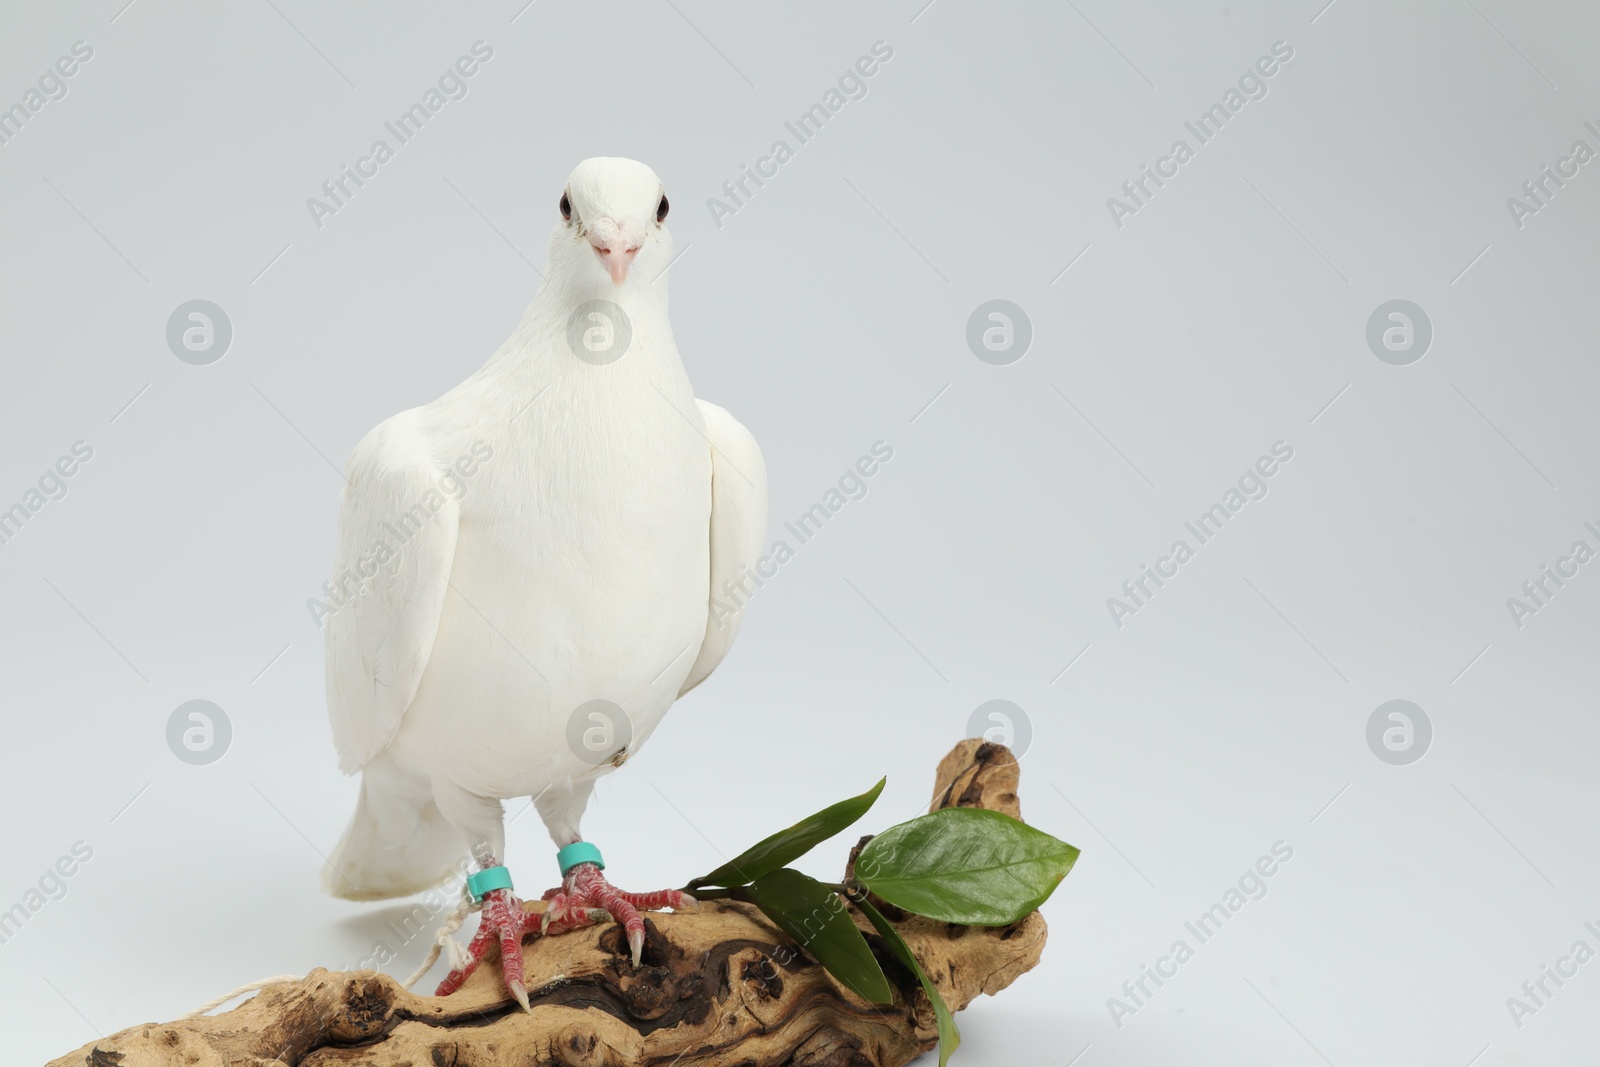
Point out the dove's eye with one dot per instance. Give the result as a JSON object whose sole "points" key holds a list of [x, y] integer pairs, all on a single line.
{"points": [[661, 210], [566, 207]]}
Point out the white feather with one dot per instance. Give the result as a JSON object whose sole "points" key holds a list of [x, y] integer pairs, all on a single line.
{"points": [[738, 525], [381, 632]]}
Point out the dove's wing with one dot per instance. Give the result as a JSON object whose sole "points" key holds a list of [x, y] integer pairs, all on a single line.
{"points": [[397, 541], [738, 526]]}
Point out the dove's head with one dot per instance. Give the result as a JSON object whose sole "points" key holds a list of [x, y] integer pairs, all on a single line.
{"points": [[613, 221]]}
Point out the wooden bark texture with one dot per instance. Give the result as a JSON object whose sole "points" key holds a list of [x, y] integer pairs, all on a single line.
{"points": [[718, 987]]}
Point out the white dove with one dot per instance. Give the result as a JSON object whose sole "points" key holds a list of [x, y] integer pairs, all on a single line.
{"points": [[531, 570]]}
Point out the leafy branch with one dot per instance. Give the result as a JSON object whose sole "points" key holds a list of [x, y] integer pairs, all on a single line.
{"points": [[968, 866]]}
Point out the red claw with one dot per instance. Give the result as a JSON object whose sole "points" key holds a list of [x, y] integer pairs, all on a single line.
{"points": [[503, 921], [584, 899]]}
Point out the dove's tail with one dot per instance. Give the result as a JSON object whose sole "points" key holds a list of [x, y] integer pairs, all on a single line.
{"points": [[393, 847]]}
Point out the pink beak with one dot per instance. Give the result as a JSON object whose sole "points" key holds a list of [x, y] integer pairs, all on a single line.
{"points": [[616, 253]]}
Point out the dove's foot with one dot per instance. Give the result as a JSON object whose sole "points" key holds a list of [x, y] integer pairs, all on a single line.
{"points": [[503, 922], [585, 897]]}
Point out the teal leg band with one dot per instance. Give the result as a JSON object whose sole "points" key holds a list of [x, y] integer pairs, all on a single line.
{"points": [[576, 853], [487, 881]]}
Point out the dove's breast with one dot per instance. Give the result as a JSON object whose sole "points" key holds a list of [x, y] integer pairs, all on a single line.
{"points": [[581, 575]]}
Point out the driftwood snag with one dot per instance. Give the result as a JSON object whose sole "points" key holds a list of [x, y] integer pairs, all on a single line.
{"points": [[719, 987]]}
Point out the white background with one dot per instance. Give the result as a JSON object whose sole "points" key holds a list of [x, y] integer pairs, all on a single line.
{"points": [[830, 312]]}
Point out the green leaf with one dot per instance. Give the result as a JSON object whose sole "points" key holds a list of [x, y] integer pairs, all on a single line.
{"points": [[965, 865], [949, 1036], [786, 846], [818, 918]]}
